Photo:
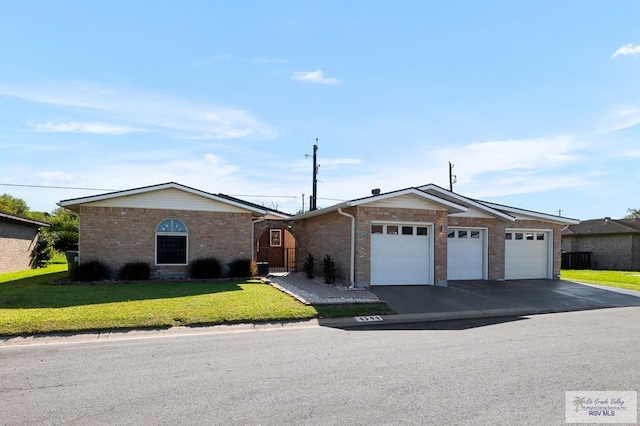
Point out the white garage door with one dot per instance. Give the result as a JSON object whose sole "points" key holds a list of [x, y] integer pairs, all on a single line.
{"points": [[526, 254], [401, 254], [465, 254]]}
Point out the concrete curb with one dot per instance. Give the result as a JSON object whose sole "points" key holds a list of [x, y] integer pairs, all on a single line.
{"points": [[115, 335]]}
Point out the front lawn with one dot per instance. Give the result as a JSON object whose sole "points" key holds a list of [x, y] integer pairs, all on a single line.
{"points": [[29, 305], [620, 279]]}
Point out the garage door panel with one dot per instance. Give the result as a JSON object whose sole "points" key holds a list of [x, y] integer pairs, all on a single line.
{"points": [[526, 255], [398, 259], [465, 254]]}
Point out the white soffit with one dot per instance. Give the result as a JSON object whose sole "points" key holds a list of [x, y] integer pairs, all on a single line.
{"points": [[170, 199], [415, 194], [165, 196], [474, 213], [407, 202]]}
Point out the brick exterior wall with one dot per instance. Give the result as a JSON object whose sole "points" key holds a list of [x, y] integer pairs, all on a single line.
{"points": [[327, 234], [609, 251], [116, 235], [331, 234], [17, 241]]}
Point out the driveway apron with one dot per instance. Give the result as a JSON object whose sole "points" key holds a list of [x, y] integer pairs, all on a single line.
{"points": [[535, 295]]}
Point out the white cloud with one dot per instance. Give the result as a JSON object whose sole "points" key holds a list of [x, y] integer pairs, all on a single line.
{"points": [[314, 77], [627, 49], [492, 156], [55, 176], [483, 169], [621, 118], [181, 118], [78, 127]]}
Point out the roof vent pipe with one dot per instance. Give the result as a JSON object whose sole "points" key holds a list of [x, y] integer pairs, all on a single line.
{"points": [[375, 191]]}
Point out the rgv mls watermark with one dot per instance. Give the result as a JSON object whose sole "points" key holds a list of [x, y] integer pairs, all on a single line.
{"points": [[601, 407]]}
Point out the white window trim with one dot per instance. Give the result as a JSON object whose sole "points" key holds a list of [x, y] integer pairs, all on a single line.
{"points": [[174, 234]]}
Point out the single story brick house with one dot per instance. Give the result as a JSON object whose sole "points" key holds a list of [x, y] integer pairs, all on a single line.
{"points": [[416, 236], [18, 238], [612, 243], [427, 235], [167, 225]]}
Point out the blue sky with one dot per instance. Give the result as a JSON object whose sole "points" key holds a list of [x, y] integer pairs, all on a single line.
{"points": [[537, 105]]}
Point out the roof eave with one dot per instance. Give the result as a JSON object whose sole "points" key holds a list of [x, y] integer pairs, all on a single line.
{"points": [[74, 203], [474, 203], [560, 220]]}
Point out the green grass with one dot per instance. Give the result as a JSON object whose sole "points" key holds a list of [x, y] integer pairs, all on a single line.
{"points": [[620, 279], [30, 305]]}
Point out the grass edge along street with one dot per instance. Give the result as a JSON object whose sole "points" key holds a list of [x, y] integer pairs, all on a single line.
{"points": [[29, 304]]}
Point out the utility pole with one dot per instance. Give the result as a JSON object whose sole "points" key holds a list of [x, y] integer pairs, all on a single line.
{"points": [[452, 178], [314, 196], [559, 212]]}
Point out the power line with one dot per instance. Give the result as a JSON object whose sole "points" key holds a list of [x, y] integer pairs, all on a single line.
{"points": [[107, 189], [55, 187]]}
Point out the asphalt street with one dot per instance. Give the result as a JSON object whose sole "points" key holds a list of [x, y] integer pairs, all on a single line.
{"points": [[506, 371]]}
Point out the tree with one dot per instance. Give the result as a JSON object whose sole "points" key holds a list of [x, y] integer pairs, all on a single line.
{"points": [[13, 205], [64, 229], [633, 213]]}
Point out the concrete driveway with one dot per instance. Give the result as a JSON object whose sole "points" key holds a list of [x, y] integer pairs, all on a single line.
{"points": [[502, 297]]}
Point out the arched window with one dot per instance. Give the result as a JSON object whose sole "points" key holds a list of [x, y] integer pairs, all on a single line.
{"points": [[171, 243]]}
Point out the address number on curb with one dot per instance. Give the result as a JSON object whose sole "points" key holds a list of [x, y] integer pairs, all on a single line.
{"points": [[369, 318]]}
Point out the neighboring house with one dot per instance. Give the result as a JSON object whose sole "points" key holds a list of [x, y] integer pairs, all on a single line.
{"points": [[167, 225], [18, 238], [416, 236], [613, 243]]}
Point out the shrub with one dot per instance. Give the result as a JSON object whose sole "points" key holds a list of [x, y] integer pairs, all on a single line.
{"points": [[206, 267], [309, 266], [42, 252], [65, 240], [93, 270], [135, 271], [329, 270], [240, 268]]}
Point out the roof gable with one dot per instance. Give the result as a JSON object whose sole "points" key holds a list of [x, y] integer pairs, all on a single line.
{"points": [[165, 196], [404, 198], [480, 209]]}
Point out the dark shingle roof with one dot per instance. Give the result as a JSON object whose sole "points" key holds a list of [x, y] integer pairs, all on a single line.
{"points": [[604, 226], [21, 219]]}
